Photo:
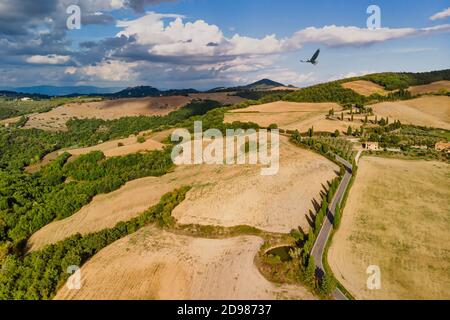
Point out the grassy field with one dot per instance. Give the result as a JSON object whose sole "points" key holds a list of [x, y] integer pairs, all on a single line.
{"points": [[396, 217]]}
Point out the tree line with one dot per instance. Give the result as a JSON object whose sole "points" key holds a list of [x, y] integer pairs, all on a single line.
{"points": [[39, 274]]}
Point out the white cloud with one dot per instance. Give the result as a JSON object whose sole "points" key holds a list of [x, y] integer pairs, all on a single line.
{"points": [[441, 15], [337, 36], [350, 75], [199, 51], [198, 38], [193, 38], [70, 70], [48, 59], [111, 70], [286, 76], [95, 5], [149, 29]]}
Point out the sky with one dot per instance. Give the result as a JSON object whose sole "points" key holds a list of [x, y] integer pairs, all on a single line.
{"points": [[203, 44]]}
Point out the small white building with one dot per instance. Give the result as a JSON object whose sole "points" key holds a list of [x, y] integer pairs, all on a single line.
{"points": [[371, 145], [26, 99]]}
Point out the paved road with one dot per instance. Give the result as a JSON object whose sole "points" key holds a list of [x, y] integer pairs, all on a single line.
{"points": [[327, 226]]}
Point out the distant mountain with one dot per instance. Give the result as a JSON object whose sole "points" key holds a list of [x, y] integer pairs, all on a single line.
{"points": [[64, 91], [261, 85], [148, 91], [16, 95]]}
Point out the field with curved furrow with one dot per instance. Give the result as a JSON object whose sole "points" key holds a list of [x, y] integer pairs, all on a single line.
{"points": [[178, 267]]}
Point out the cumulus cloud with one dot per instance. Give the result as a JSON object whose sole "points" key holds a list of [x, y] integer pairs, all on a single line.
{"points": [[163, 46], [70, 70], [441, 15], [111, 70], [339, 36], [287, 76], [48, 59]]}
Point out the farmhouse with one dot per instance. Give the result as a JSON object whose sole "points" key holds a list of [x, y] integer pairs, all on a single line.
{"points": [[442, 146], [421, 147], [371, 145], [26, 99]]}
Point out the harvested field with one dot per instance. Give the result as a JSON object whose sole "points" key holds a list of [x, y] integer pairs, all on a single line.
{"points": [[225, 98], [432, 111], [281, 88], [397, 217], [364, 87], [178, 267], [224, 195], [434, 87], [108, 109], [121, 147], [113, 148], [290, 116]]}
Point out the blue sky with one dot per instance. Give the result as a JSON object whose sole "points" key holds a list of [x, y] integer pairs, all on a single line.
{"points": [[208, 43]]}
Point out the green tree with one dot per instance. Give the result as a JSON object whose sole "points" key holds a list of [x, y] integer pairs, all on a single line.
{"points": [[311, 132], [349, 131], [327, 285], [310, 272], [337, 216]]}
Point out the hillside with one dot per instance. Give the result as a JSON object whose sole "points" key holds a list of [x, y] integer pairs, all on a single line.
{"points": [[261, 85], [339, 91]]}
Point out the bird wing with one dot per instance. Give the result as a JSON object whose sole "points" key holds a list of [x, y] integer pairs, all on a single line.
{"points": [[316, 55]]}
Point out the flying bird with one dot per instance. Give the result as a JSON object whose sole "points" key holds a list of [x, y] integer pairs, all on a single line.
{"points": [[313, 59]]}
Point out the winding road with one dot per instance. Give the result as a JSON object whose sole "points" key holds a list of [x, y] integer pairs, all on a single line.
{"points": [[327, 226]]}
